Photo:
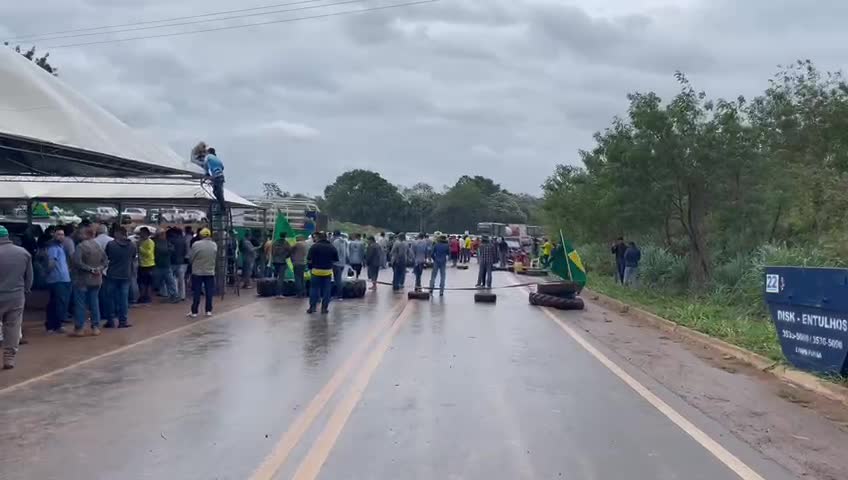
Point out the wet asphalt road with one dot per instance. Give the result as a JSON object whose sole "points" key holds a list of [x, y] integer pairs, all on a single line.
{"points": [[381, 388]]}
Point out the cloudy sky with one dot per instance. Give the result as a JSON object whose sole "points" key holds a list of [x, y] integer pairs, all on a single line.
{"points": [[502, 88]]}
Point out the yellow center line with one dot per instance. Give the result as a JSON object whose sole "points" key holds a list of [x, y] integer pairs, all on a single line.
{"points": [[304, 421], [311, 465]]}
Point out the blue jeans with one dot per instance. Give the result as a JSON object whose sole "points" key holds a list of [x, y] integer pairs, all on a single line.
{"points": [[619, 269], [198, 285], [179, 272], [86, 298], [320, 288], [57, 306], [119, 294], [418, 270], [631, 276], [338, 280], [439, 269], [484, 278], [399, 271], [299, 270], [107, 309], [169, 283]]}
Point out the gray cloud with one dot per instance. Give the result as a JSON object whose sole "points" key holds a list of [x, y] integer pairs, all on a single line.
{"points": [[504, 88]]}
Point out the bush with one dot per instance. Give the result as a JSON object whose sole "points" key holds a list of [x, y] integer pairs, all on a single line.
{"points": [[597, 259], [662, 269], [749, 274]]}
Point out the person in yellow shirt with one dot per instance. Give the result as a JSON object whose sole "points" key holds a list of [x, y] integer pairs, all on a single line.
{"points": [[146, 264], [465, 254], [547, 248]]}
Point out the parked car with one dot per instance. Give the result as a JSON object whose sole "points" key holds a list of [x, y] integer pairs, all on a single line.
{"points": [[101, 214], [194, 216], [135, 214], [65, 217], [172, 215], [168, 215]]}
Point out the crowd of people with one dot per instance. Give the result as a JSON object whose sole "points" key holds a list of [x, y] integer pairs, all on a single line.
{"points": [[331, 259], [94, 272]]}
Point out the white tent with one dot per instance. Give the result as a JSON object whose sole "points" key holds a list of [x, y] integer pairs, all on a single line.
{"points": [[47, 128], [142, 191]]}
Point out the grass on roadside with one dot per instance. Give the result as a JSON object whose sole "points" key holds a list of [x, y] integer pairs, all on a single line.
{"points": [[733, 324]]}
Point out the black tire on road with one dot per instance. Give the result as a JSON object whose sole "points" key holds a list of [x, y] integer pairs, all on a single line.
{"points": [[361, 288], [354, 288], [565, 289], [288, 289], [419, 295], [485, 297], [266, 287], [542, 300]]}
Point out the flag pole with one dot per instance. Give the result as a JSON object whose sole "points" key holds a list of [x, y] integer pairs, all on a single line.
{"points": [[565, 253]]}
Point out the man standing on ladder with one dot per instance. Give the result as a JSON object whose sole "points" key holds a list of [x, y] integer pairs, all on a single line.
{"points": [[215, 169]]}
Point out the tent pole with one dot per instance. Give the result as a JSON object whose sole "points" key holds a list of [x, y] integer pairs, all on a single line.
{"points": [[29, 212]]}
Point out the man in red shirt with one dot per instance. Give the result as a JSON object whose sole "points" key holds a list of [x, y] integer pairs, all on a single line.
{"points": [[454, 249]]}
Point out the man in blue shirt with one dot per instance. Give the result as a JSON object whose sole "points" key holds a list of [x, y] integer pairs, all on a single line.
{"points": [[58, 283], [441, 251], [632, 256], [420, 250], [215, 170]]}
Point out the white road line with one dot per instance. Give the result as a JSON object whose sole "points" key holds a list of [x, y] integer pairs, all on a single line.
{"points": [[731, 461], [116, 351]]}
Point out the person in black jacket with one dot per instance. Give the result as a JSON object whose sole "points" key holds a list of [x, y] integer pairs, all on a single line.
{"points": [[321, 257], [618, 248], [179, 261]]}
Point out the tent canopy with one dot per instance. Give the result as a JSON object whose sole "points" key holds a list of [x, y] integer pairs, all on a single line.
{"points": [[47, 128], [142, 191]]}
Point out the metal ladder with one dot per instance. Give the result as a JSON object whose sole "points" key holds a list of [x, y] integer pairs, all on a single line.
{"points": [[226, 272]]}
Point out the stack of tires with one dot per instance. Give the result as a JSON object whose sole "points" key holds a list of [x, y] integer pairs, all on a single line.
{"points": [[354, 288], [559, 295]]}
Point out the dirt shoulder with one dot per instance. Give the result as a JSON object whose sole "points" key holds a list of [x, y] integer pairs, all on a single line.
{"points": [[802, 431]]}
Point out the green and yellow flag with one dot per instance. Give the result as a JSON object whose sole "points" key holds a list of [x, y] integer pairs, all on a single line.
{"points": [[282, 225], [566, 262]]}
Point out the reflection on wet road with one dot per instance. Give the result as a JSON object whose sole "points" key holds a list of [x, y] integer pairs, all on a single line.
{"points": [[381, 388]]}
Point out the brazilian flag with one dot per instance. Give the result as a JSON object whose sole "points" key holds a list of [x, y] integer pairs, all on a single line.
{"points": [[282, 225], [566, 262]]}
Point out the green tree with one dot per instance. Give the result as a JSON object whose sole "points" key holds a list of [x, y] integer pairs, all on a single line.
{"points": [[531, 207], [504, 207], [668, 170], [364, 197], [421, 199], [479, 199], [272, 189]]}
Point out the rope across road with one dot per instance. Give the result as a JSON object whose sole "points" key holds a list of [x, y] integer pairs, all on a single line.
{"points": [[515, 285]]}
